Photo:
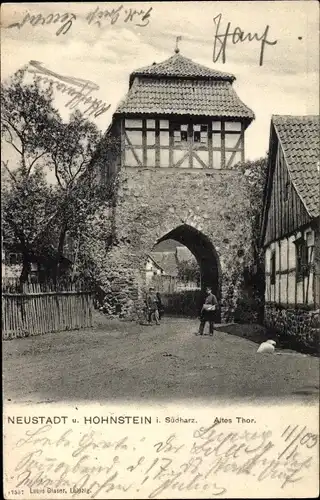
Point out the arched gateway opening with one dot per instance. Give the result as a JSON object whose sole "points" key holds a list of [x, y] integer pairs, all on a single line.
{"points": [[204, 252]]}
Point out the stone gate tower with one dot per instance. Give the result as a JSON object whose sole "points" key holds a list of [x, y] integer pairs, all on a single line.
{"points": [[181, 131]]}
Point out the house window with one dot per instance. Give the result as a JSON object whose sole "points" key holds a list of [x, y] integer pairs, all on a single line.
{"points": [[180, 134], [273, 268], [302, 267], [200, 133]]}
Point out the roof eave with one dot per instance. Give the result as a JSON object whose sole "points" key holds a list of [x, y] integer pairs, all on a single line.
{"points": [[246, 119]]}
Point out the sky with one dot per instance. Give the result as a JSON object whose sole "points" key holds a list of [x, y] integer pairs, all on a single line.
{"points": [[286, 83]]}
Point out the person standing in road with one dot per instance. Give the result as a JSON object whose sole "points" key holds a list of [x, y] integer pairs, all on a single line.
{"points": [[159, 305], [208, 312], [152, 307]]}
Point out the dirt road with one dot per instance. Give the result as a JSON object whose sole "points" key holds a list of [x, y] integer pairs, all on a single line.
{"points": [[126, 362]]}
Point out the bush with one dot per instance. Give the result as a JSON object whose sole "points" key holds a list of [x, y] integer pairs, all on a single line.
{"points": [[183, 303]]}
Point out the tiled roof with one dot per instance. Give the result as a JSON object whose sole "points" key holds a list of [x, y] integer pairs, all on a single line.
{"points": [[183, 254], [299, 137], [183, 96], [180, 66], [167, 262]]}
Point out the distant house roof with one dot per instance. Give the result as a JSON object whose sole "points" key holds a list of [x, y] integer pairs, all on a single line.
{"points": [[155, 263], [180, 86], [166, 246], [166, 261], [299, 138], [184, 254]]}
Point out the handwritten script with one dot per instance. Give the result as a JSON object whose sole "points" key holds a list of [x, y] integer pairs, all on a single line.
{"points": [[237, 36], [77, 88], [95, 463], [97, 17]]}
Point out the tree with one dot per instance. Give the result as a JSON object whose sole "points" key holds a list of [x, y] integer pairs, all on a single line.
{"points": [[28, 204], [253, 279], [77, 195], [188, 271], [28, 119], [38, 216], [255, 173]]}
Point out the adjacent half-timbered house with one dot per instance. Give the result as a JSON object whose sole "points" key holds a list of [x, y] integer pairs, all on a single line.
{"points": [[290, 228]]}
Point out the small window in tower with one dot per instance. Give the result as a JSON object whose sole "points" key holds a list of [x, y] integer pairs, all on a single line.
{"points": [[184, 133], [200, 133], [196, 133], [177, 136], [204, 134], [180, 134]]}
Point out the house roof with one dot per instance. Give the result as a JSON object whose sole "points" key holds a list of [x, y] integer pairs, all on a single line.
{"points": [[166, 261], [180, 66], [155, 263], [183, 254], [300, 141], [184, 97]]}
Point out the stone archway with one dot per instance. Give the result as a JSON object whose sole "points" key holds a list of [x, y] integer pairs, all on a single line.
{"points": [[203, 250]]}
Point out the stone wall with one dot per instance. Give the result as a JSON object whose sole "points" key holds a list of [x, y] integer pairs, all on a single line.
{"points": [[152, 202], [295, 327]]}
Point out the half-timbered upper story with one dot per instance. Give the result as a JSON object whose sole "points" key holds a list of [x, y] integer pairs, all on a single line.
{"points": [[290, 223], [180, 114]]}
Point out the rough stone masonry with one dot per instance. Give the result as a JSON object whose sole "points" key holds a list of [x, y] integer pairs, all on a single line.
{"points": [[152, 202]]}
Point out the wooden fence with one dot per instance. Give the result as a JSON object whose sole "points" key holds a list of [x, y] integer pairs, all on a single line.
{"points": [[38, 308]]}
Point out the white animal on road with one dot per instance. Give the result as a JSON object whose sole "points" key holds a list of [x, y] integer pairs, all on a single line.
{"points": [[267, 347]]}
